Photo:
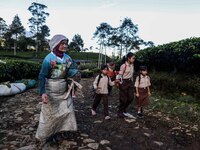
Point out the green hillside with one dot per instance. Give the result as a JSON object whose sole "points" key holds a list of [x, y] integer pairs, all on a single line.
{"points": [[41, 55]]}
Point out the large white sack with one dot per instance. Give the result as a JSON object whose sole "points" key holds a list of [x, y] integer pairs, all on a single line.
{"points": [[4, 90], [14, 88]]}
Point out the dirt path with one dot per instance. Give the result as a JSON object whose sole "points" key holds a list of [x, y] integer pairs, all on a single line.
{"points": [[19, 119]]}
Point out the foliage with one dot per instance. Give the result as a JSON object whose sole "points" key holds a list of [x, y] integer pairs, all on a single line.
{"points": [[24, 42], [182, 56], [86, 56], [90, 56], [89, 66], [9, 42], [22, 54], [37, 24], [96, 70], [77, 43], [18, 69], [86, 74], [176, 85], [16, 29], [43, 43], [3, 27], [38, 18]]}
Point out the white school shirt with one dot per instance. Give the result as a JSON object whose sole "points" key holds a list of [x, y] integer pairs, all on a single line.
{"points": [[144, 81], [103, 84]]}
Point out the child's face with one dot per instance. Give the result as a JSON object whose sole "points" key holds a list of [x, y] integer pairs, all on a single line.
{"points": [[104, 71], [131, 59], [144, 72]]}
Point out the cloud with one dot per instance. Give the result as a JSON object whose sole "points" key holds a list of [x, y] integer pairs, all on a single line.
{"points": [[107, 4]]}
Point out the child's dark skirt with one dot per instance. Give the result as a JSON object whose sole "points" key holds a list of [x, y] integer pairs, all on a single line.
{"points": [[143, 99]]}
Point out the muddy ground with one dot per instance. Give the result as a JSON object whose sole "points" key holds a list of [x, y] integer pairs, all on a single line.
{"points": [[156, 131]]}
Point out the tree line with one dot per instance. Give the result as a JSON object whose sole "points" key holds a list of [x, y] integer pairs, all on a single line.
{"points": [[123, 38], [14, 36]]}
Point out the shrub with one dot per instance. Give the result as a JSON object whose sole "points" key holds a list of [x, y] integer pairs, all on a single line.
{"points": [[18, 69], [89, 66], [175, 85], [96, 70], [86, 74]]}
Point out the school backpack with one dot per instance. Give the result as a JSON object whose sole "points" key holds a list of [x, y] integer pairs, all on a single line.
{"points": [[98, 80]]}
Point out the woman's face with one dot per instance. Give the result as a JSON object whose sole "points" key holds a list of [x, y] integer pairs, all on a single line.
{"points": [[63, 46], [131, 59]]}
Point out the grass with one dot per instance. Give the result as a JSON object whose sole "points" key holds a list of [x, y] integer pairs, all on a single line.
{"points": [[185, 110]]}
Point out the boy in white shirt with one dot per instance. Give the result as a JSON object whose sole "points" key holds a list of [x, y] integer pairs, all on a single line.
{"points": [[100, 85]]}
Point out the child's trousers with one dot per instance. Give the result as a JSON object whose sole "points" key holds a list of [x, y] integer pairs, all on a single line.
{"points": [[97, 100], [126, 95]]}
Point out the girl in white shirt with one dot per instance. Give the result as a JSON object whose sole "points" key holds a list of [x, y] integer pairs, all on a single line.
{"points": [[142, 85]]}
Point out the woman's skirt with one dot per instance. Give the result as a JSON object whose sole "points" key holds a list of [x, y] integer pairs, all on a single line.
{"points": [[58, 114], [143, 99]]}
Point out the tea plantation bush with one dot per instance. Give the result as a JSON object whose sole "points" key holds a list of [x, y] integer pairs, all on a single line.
{"points": [[86, 73], [89, 66], [176, 84], [19, 69]]}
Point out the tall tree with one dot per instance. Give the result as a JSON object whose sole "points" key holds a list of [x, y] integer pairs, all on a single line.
{"points": [[16, 29], [24, 43], [8, 40], [3, 28], [41, 37], [79, 42], [125, 37], [128, 32], [102, 33], [38, 20]]}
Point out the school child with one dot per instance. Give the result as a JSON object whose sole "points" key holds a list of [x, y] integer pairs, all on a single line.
{"points": [[111, 73], [100, 85], [142, 85], [126, 86]]}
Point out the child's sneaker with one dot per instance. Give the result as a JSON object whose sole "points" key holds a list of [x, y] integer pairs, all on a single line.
{"points": [[93, 112], [129, 115], [140, 115], [107, 118]]}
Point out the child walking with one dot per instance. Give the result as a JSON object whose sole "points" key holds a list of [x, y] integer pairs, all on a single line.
{"points": [[111, 74], [100, 84], [126, 86], [142, 85]]}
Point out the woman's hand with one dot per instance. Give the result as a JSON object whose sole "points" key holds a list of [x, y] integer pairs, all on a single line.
{"points": [[149, 93], [45, 98]]}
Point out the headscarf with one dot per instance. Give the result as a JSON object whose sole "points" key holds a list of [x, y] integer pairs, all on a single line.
{"points": [[54, 44]]}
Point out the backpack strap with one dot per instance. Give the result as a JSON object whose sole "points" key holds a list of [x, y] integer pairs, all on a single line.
{"points": [[99, 78], [108, 79]]}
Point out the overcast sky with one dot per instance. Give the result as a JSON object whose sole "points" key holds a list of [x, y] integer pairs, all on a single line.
{"points": [[160, 21]]}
